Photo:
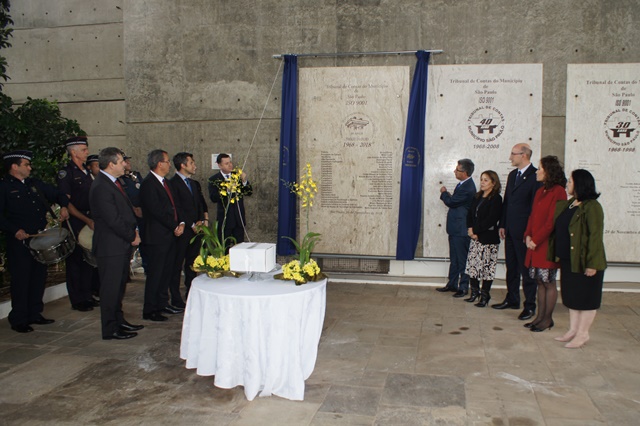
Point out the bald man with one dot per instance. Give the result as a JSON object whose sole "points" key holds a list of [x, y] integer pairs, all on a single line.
{"points": [[516, 208]]}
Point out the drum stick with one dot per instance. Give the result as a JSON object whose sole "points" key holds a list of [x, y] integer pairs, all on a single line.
{"points": [[35, 235]]}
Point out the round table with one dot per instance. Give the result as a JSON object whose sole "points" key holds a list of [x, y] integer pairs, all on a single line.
{"points": [[261, 334]]}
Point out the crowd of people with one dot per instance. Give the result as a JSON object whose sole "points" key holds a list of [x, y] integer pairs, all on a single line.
{"points": [[542, 232], [101, 196]]}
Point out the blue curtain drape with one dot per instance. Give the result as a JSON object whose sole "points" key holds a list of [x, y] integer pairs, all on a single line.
{"points": [[410, 211], [287, 202]]}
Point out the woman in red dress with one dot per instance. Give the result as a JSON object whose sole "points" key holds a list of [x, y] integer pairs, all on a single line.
{"points": [[537, 234]]}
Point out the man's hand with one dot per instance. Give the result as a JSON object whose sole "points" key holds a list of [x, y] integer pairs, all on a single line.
{"points": [[64, 214], [136, 242], [137, 211], [502, 233], [91, 224], [179, 230], [21, 235], [589, 272], [443, 189]]}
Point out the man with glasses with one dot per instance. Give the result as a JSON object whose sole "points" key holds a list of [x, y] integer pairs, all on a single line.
{"points": [[516, 208], [458, 204]]}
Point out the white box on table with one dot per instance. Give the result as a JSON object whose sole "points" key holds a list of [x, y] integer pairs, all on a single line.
{"points": [[252, 257]]}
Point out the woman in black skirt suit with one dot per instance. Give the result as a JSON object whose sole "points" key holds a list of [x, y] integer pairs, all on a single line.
{"points": [[577, 244], [482, 228]]}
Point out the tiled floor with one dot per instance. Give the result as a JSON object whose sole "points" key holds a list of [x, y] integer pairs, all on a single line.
{"points": [[389, 355]]}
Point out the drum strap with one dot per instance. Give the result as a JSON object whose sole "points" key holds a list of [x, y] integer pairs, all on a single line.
{"points": [[44, 200]]}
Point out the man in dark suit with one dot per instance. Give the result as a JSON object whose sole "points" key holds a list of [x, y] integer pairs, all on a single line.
{"points": [[192, 209], [114, 237], [235, 223], [516, 208], [459, 240], [162, 226]]}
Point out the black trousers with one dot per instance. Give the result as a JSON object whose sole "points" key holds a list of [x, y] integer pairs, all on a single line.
{"points": [[113, 271], [28, 278], [515, 251], [79, 277], [161, 259], [186, 253]]}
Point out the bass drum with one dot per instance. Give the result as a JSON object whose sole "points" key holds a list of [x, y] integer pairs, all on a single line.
{"points": [[85, 240], [51, 246]]}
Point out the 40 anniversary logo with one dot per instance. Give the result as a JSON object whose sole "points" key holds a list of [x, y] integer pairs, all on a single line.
{"points": [[622, 127], [486, 123]]}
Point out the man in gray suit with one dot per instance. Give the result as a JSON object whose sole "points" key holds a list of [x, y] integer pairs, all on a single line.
{"points": [[459, 203]]}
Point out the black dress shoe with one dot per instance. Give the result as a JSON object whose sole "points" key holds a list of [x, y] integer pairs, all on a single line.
{"points": [[154, 316], [22, 328], [125, 326], [172, 310], [120, 335], [93, 302], [526, 314], [42, 321], [505, 305], [179, 305], [445, 289], [82, 307], [460, 293], [537, 329]]}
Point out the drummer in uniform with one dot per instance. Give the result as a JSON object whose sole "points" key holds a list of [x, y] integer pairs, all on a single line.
{"points": [[23, 212], [75, 181], [131, 181]]}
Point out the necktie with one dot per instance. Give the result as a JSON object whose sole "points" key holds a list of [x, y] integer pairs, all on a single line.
{"points": [[188, 182], [166, 188], [518, 176], [119, 185], [457, 186]]}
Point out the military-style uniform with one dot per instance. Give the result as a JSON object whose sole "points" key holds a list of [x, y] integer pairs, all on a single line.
{"points": [[76, 182], [22, 208], [131, 184]]}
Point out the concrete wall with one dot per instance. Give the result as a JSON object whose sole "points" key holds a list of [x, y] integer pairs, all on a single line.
{"points": [[196, 74], [71, 51]]}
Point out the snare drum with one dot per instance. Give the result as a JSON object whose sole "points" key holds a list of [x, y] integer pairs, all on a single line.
{"points": [[85, 240], [51, 246]]}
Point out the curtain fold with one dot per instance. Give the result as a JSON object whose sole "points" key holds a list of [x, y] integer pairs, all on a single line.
{"points": [[287, 202], [410, 211]]}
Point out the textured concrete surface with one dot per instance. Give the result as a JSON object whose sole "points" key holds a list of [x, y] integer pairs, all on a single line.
{"points": [[197, 74], [389, 354]]}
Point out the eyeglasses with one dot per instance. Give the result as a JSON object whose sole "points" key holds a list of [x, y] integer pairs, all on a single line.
{"points": [[164, 161], [517, 153], [459, 171]]}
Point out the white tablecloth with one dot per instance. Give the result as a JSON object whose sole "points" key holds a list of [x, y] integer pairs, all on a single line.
{"points": [[262, 335]]}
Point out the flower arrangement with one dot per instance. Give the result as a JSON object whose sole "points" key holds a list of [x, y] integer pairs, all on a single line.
{"points": [[303, 269], [211, 259]]}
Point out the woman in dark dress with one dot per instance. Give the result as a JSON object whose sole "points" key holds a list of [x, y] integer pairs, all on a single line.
{"points": [[577, 244], [482, 224]]}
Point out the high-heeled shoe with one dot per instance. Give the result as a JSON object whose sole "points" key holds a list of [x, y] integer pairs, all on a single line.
{"points": [[530, 324], [474, 295], [563, 338], [484, 299], [576, 345], [537, 329]]}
